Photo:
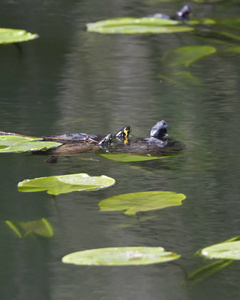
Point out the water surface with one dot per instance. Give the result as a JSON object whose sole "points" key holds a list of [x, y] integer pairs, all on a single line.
{"points": [[70, 80]]}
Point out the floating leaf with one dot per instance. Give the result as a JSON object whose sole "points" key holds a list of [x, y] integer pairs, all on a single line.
{"points": [[142, 201], [225, 250], [8, 36], [187, 55], [40, 227], [15, 143], [56, 185], [137, 26], [121, 256], [126, 157]]}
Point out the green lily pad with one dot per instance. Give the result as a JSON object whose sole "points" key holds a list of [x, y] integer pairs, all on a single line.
{"points": [[8, 36], [121, 256], [40, 227], [187, 55], [126, 157], [15, 143], [137, 26], [56, 185], [225, 250], [142, 201]]}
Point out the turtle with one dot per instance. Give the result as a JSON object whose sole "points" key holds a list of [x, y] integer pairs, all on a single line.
{"points": [[156, 144], [181, 15]]}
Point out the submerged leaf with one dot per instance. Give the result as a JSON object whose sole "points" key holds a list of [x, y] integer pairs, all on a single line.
{"points": [[137, 26], [142, 201], [8, 36], [207, 271], [187, 55], [127, 157], [15, 143], [56, 185], [180, 78], [197, 21], [40, 227], [121, 256]]}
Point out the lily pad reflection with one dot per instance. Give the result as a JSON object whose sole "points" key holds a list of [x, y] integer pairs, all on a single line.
{"points": [[40, 227], [187, 55]]}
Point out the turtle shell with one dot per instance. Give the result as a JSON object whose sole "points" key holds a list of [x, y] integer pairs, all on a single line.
{"points": [[74, 138]]}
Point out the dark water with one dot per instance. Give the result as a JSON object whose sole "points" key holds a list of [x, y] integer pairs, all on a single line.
{"points": [[73, 81]]}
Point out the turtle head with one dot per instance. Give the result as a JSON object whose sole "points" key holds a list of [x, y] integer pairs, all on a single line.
{"points": [[123, 133], [159, 130], [184, 13]]}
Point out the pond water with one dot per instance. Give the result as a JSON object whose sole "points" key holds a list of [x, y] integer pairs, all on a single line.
{"points": [[70, 80]]}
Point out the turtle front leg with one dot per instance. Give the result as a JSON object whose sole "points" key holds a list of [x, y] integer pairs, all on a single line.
{"points": [[106, 142]]}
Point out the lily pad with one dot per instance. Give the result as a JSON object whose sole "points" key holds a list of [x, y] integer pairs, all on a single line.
{"points": [[40, 227], [15, 143], [56, 185], [137, 26], [187, 55], [120, 256], [225, 250], [126, 157], [143, 201], [8, 36]]}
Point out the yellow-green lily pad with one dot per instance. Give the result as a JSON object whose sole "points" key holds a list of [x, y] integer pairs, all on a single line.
{"points": [[56, 185], [137, 26], [15, 143], [8, 36], [225, 250], [120, 256], [143, 201]]}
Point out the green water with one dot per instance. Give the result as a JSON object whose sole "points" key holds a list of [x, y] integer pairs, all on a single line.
{"points": [[70, 80]]}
